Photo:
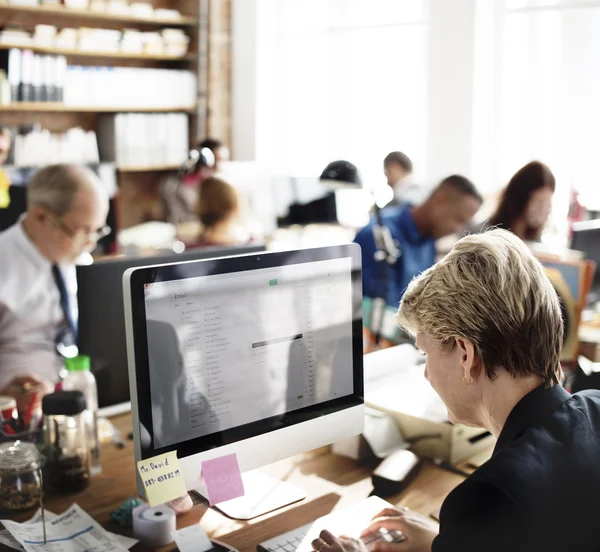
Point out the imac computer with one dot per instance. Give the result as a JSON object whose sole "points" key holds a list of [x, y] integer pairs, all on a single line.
{"points": [[101, 328], [259, 355]]}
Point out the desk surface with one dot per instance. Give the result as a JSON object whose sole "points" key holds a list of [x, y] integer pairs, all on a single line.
{"points": [[331, 482]]}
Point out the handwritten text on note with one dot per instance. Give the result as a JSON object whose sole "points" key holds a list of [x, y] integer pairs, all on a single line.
{"points": [[162, 478]]}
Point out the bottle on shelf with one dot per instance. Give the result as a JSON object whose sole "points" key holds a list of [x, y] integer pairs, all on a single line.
{"points": [[80, 378]]}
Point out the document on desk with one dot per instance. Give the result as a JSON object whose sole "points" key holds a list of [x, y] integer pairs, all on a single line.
{"points": [[395, 381], [8, 540], [72, 531]]}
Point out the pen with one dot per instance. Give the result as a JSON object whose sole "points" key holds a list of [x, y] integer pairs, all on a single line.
{"points": [[42, 506], [30, 408]]}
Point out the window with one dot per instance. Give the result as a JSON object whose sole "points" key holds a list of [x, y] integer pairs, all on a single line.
{"points": [[536, 90], [346, 79]]}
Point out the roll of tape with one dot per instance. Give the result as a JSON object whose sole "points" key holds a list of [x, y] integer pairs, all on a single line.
{"points": [[153, 526]]}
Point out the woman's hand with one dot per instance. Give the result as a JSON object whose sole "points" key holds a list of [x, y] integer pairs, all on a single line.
{"points": [[27, 388], [328, 543], [419, 531]]}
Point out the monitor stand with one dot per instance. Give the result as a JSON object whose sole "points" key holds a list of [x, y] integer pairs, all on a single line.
{"points": [[263, 494]]}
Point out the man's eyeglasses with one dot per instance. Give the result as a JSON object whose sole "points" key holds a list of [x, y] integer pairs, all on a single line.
{"points": [[95, 235]]}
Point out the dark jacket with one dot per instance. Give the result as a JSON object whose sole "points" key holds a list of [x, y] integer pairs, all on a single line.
{"points": [[541, 488]]}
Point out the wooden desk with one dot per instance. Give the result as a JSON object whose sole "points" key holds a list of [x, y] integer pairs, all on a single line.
{"points": [[331, 482]]}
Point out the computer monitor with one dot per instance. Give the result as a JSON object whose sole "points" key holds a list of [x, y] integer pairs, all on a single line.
{"points": [[258, 355], [101, 333], [586, 238]]}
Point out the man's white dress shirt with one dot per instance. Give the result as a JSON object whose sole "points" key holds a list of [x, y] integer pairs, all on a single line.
{"points": [[30, 311]]}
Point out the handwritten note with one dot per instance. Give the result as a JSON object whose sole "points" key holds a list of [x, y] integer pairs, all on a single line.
{"points": [[223, 479], [162, 477]]}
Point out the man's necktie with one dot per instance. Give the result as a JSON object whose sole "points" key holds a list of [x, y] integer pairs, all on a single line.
{"points": [[67, 332]]}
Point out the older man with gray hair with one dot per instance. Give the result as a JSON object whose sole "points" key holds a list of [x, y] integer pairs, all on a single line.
{"points": [[66, 215]]}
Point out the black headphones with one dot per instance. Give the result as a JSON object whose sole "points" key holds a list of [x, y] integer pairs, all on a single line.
{"points": [[197, 158]]}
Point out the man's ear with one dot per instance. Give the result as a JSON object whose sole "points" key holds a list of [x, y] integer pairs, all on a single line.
{"points": [[37, 213], [468, 357]]}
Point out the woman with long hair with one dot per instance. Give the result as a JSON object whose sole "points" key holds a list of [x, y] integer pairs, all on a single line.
{"points": [[526, 202]]}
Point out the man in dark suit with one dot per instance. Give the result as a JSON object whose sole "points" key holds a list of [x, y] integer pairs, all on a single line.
{"points": [[489, 321]]}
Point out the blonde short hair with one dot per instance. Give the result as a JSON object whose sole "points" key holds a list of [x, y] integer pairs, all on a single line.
{"points": [[54, 187], [492, 291]]}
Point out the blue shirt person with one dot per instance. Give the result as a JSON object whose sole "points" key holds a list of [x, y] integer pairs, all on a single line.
{"points": [[447, 211]]}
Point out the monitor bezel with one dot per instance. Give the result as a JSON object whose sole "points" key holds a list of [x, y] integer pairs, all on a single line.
{"points": [[139, 277]]}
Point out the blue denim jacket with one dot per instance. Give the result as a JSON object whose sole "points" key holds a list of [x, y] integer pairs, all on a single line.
{"points": [[418, 254]]}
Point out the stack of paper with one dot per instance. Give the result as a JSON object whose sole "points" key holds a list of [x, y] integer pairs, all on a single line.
{"points": [[72, 531], [99, 40], [144, 140], [175, 42], [42, 147], [15, 37], [132, 42], [129, 87]]}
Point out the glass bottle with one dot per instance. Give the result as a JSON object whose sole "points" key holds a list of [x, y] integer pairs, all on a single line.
{"points": [[67, 466], [80, 378]]}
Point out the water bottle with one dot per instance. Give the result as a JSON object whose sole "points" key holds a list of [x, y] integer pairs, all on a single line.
{"points": [[80, 378]]}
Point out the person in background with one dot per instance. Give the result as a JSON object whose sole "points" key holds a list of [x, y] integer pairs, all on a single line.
{"points": [[526, 202], [489, 322], [67, 207], [180, 193], [218, 210], [414, 229], [398, 169], [219, 150]]}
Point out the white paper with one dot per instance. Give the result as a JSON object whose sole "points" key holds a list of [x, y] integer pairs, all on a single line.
{"points": [[72, 531], [192, 539], [7, 539]]}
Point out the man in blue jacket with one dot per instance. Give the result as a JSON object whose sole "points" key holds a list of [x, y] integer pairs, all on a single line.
{"points": [[414, 230]]}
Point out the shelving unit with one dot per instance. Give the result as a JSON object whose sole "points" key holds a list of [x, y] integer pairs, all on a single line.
{"points": [[42, 11], [103, 54], [51, 107], [139, 186]]}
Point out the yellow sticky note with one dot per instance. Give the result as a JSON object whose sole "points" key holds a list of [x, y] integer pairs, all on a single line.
{"points": [[4, 193], [162, 477]]}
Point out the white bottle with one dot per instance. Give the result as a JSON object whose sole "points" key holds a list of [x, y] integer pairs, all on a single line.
{"points": [[80, 378]]}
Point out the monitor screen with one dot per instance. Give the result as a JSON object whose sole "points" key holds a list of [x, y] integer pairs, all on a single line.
{"points": [[235, 348], [101, 333]]}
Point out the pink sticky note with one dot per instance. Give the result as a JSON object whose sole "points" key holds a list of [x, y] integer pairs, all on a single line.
{"points": [[223, 479]]}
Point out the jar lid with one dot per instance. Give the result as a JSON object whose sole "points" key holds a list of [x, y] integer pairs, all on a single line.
{"points": [[64, 403], [80, 363], [19, 457]]}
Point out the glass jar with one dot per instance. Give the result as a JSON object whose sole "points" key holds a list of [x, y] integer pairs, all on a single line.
{"points": [[67, 468], [20, 477]]}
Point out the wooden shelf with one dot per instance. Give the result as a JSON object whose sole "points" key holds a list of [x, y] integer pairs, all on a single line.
{"points": [[149, 168], [80, 53], [51, 107], [99, 17]]}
